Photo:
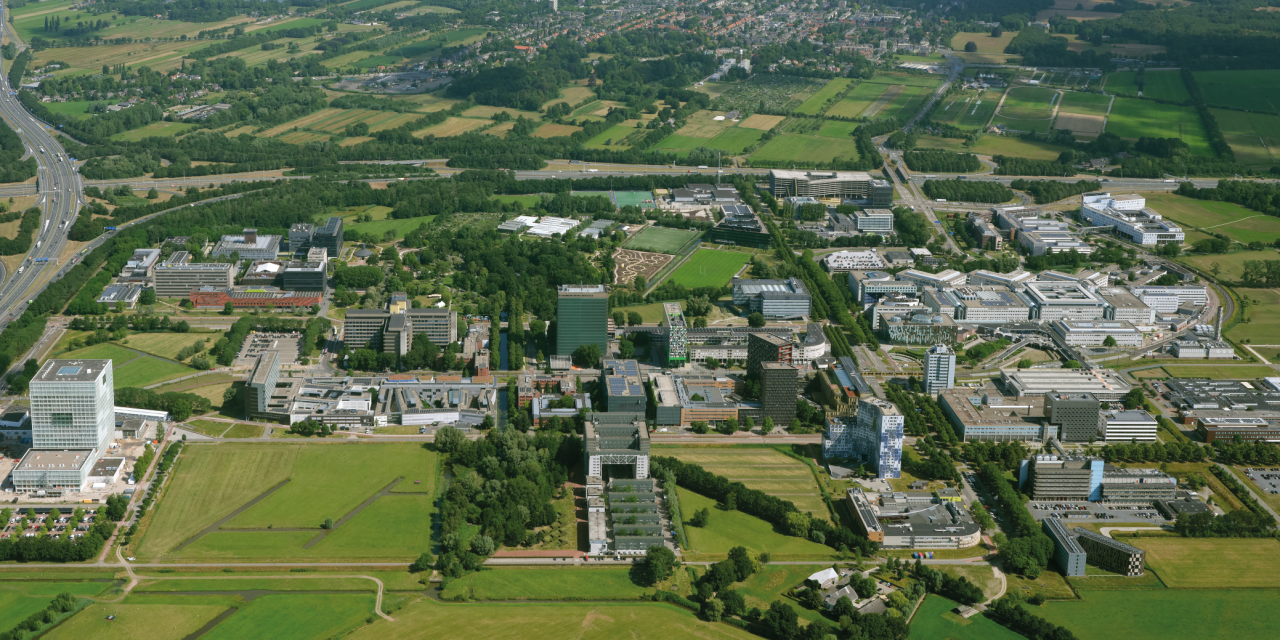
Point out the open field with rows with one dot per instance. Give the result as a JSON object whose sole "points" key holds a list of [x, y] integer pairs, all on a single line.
{"points": [[1027, 109], [1207, 563], [660, 240], [708, 268], [885, 96], [1254, 137], [779, 93], [1254, 90], [1158, 85], [452, 126], [1133, 118], [968, 109], [765, 469]]}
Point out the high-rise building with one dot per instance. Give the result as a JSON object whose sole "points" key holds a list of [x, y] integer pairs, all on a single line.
{"points": [[677, 334], [779, 383], [72, 422], [767, 347], [1076, 413], [878, 437], [939, 369], [329, 236], [262, 383], [582, 317]]}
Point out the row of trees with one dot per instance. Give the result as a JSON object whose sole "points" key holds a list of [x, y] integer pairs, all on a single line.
{"points": [[1027, 550], [1047, 191], [941, 161], [967, 191]]}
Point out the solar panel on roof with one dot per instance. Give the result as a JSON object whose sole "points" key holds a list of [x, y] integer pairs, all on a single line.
{"points": [[68, 371]]}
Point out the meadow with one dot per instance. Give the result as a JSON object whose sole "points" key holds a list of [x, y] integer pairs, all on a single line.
{"points": [[1209, 563], [1257, 90], [167, 345], [169, 622], [104, 351], [148, 371], [1254, 137], [709, 268], [728, 529], [734, 140], [996, 145], [1232, 220], [1027, 109], [806, 150], [1231, 265], [1220, 372], [1090, 104], [289, 616], [536, 583], [615, 136], [19, 599], [380, 223], [814, 105], [1160, 85], [936, 618], [990, 50], [1263, 326], [1166, 613], [660, 240], [762, 468], [1133, 118]]}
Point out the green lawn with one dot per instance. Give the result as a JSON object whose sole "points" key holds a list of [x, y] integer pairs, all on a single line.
{"points": [[807, 150], [678, 142], [380, 224], [207, 427], [19, 599], [1028, 103], [1159, 85], [155, 129], [1255, 90], [535, 583], [1263, 318], [73, 108], [1166, 613], [708, 268], [374, 61], [614, 135], [728, 529], [1213, 563], [837, 129], [229, 583], [1089, 104], [816, 103], [661, 240], [936, 619], [1133, 118], [286, 616], [244, 431], [1232, 220], [146, 371], [650, 313], [1231, 265], [765, 469], [996, 145], [772, 582], [167, 345], [154, 622], [104, 351], [735, 139], [1221, 372]]}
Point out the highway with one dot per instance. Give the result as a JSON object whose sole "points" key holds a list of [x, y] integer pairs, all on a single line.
{"points": [[60, 190]]}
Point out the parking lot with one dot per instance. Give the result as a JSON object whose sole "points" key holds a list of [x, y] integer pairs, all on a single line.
{"points": [[1090, 512], [36, 520], [1267, 478]]}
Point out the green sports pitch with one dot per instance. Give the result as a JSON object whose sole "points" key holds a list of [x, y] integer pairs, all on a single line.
{"points": [[660, 240], [709, 268]]}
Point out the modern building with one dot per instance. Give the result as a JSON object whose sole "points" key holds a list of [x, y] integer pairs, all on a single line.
{"points": [[767, 347], [621, 387], [853, 261], [1039, 236], [1227, 428], [1187, 295], [868, 286], [838, 438], [249, 246], [878, 437], [740, 226], [1122, 305], [677, 334], [263, 273], [878, 221], [1111, 554], [253, 298], [774, 299], [15, 425], [262, 384], [582, 317], [1076, 414], [72, 423], [854, 185], [300, 236], [393, 332], [1127, 426], [1213, 349], [1062, 301], [1064, 478], [616, 445], [329, 236], [1130, 217], [1103, 384], [987, 236], [682, 400], [1067, 553], [306, 275], [140, 267], [779, 383], [939, 369], [814, 345], [1092, 333], [1014, 281], [178, 276], [987, 304], [128, 294], [948, 278], [902, 522], [992, 417]]}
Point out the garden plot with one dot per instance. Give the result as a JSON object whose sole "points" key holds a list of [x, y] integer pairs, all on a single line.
{"points": [[631, 263], [775, 92]]}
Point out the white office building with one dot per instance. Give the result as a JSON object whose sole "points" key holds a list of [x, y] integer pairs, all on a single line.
{"points": [[72, 423], [1014, 281], [878, 436], [1131, 218], [948, 278], [1063, 300], [1092, 333], [939, 369], [1187, 296], [1127, 426]]}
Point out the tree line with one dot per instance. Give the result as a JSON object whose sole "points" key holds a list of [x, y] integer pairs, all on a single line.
{"points": [[967, 191], [1047, 191], [1027, 550], [12, 167], [941, 161]]}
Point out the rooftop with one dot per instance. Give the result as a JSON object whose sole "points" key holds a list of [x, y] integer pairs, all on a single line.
{"points": [[71, 370]]}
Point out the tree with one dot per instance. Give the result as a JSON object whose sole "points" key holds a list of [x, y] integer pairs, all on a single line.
{"points": [[700, 518], [148, 297], [798, 524], [698, 426], [153, 194], [227, 309], [712, 363], [1134, 399], [756, 320], [587, 356], [626, 348], [423, 563], [450, 440], [1109, 342], [970, 47], [997, 32], [633, 318], [713, 609], [619, 318], [659, 561], [482, 545], [1025, 363]]}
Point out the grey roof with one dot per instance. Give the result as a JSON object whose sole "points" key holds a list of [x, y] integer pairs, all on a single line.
{"points": [[71, 370]]}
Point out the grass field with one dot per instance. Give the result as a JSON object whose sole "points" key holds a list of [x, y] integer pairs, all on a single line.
{"points": [[1134, 118], [969, 109], [761, 468], [807, 150], [1205, 563], [761, 122], [207, 427], [1027, 109], [535, 583], [147, 371], [1231, 264], [104, 351], [1255, 137], [380, 223], [427, 619], [1232, 220], [1160, 85], [1264, 318], [255, 583], [19, 599], [1257, 90], [771, 583], [660, 240], [451, 127], [1166, 613], [990, 50], [1220, 372], [815, 104], [244, 431], [936, 619], [707, 268], [735, 139], [1090, 104], [728, 529], [996, 145], [154, 622], [837, 129], [614, 135], [301, 616], [167, 345], [73, 108]]}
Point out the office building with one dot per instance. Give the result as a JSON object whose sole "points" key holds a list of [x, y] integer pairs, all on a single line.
{"points": [[991, 417], [1093, 333], [878, 221], [263, 273], [768, 347], [814, 345], [947, 278], [1103, 384], [986, 304], [1059, 478], [939, 369], [72, 423], [1127, 426], [740, 226], [300, 236], [582, 317], [1067, 553], [854, 185], [329, 236], [253, 297], [1251, 429], [1186, 295], [774, 299], [1225, 395], [1130, 217], [1111, 554], [905, 521], [1038, 236], [249, 246], [915, 327], [621, 387], [878, 437], [141, 267], [677, 334], [1076, 415], [394, 331], [987, 236], [1213, 349], [305, 275], [616, 445], [868, 286], [1063, 301], [779, 384], [1122, 305], [178, 276], [1015, 281], [838, 438], [853, 261], [682, 400], [261, 384]]}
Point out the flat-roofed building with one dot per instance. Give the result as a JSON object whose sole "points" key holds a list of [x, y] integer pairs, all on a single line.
{"points": [[838, 440], [677, 334], [140, 267], [252, 298], [856, 185], [616, 440], [1111, 554], [1250, 429], [621, 386], [904, 521], [329, 236], [1076, 414], [1212, 349], [263, 273], [1089, 333], [1014, 281], [767, 347], [300, 236], [740, 226], [814, 345], [261, 384], [177, 277], [1187, 295], [1103, 384], [1127, 426], [866, 520], [948, 278], [989, 305], [1137, 486], [775, 299], [72, 423], [1130, 217], [1067, 553], [991, 417], [869, 285], [1065, 478], [987, 236], [305, 275], [249, 245], [1063, 300], [939, 369], [1122, 305], [875, 221], [779, 384], [582, 318]]}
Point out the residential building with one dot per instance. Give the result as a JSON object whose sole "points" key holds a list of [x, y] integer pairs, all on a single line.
{"points": [[677, 334], [878, 437], [767, 347], [261, 384], [616, 443], [939, 369], [855, 185], [1076, 414], [853, 261], [72, 423], [621, 387], [178, 276], [1127, 426], [990, 417], [838, 439], [779, 385], [775, 299], [1085, 333], [329, 236], [1067, 553], [582, 317], [1063, 300], [249, 246], [740, 226]]}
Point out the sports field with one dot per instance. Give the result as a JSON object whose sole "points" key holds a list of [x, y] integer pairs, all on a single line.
{"points": [[536, 583], [1133, 118], [1090, 104], [936, 618], [1254, 137], [969, 109], [1027, 109], [728, 529], [1232, 220], [815, 105], [1213, 563], [660, 240], [709, 268], [807, 150], [1256, 90], [765, 469], [1159, 85], [1160, 614]]}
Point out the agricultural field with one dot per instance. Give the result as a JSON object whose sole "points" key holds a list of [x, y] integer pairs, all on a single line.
{"points": [[19, 599], [735, 140], [1255, 137], [1159, 614], [160, 56], [452, 126], [990, 50], [1159, 85], [936, 618], [1133, 118], [728, 529], [1027, 109], [1257, 90], [660, 240], [162, 129], [168, 622], [968, 109], [212, 484], [815, 105], [709, 268], [837, 129], [1205, 563], [488, 112], [550, 130], [615, 136], [762, 468], [1232, 220], [778, 93], [536, 583], [996, 145], [761, 122], [1089, 104], [807, 150], [884, 97]]}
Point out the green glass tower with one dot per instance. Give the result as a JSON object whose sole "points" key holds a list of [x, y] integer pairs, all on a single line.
{"points": [[582, 317]]}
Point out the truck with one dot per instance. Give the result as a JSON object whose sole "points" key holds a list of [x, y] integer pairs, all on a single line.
{"points": [[108, 228], [46, 225]]}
